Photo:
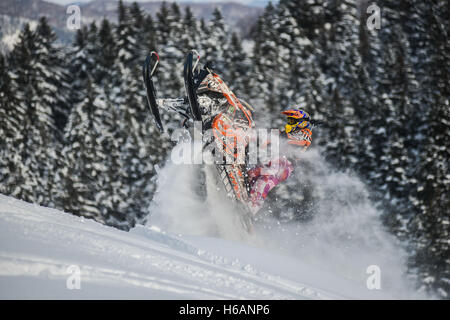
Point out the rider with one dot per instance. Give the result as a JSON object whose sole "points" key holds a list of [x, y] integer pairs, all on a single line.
{"points": [[263, 178]]}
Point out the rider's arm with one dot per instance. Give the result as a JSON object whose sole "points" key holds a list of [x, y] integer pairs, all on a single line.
{"points": [[302, 138], [300, 141]]}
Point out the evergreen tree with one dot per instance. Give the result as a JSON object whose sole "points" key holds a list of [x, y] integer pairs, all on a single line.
{"points": [[190, 36], [138, 18], [112, 197], [141, 145], [213, 48], [91, 170], [266, 63], [80, 65], [204, 34], [107, 55], [172, 53], [395, 89], [130, 35], [430, 224], [84, 174], [21, 182], [311, 15], [238, 67], [12, 116], [150, 34], [163, 24], [33, 60], [342, 66], [301, 83], [54, 74]]}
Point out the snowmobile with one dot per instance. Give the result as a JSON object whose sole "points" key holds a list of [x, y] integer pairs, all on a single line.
{"points": [[209, 101]]}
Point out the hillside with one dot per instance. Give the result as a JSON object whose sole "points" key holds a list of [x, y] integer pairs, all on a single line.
{"points": [[38, 245]]}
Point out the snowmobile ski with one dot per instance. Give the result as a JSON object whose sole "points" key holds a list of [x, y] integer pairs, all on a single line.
{"points": [[190, 85], [150, 89]]}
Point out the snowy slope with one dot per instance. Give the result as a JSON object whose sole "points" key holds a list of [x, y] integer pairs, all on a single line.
{"points": [[37, 245]]}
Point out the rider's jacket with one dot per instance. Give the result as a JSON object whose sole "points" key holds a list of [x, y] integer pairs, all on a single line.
{"points": [[302, 137]]}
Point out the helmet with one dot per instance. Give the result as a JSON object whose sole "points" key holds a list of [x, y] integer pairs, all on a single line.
{"points": [[296, 119]]}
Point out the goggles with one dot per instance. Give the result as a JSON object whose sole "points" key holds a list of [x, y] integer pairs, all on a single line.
{"points": [[295, 125], [292, 121]]}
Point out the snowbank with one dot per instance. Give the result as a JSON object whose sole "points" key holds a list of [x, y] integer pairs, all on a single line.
{"points": [[38, 245]]}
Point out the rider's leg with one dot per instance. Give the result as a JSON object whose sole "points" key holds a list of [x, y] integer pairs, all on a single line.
{"points": [[254, 174], [272, 174]]}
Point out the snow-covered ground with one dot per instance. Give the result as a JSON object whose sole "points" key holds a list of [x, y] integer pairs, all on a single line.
{"points": [[188, 251], [38, 245], [192, 247]]}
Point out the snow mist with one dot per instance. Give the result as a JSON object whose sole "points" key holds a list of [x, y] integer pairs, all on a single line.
{"points": [[344, 237]]}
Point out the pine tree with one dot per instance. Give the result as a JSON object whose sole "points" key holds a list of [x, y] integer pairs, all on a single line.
{"points": [[150, 34], [213, 48], [106, 57], [83, 176], [54, 74], [190, 36], [311, 15], [31, 62], [432, 202], [396, 86], [341, 67], [172, 53], [301, 83], [54, 94], [163, 25], [80, 65], [92, 163], [139, 31], [238, 67], [12, 116], [203, 38], [130, 36], [111, 196], [430, 225], [17, 179], [266, 63], [372, 114], [141, 144]]}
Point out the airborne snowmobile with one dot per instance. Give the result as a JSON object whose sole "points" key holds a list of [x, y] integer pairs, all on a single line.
{"points": [[210, 101]]}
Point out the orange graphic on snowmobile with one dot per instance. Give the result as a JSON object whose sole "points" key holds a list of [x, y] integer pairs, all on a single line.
{"points": [[229, 127]]}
